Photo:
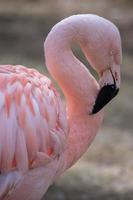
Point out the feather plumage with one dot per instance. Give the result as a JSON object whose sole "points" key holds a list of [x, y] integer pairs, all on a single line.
{"points": [[29, 116]]}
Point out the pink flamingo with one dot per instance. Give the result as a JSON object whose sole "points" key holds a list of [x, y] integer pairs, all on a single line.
{"points": [[38, 139]]}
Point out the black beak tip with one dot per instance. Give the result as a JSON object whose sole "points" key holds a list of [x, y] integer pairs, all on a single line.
{"points": [[106, 94]]}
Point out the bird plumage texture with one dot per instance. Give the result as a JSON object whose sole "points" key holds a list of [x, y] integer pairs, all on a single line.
{"points": [[39, 138], [33, 129]]}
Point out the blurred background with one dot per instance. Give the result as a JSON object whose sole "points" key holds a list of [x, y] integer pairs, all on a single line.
{"points": [[106, 170]]}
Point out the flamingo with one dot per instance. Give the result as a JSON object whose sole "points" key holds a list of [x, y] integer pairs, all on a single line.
{"points": [[39, 139]]}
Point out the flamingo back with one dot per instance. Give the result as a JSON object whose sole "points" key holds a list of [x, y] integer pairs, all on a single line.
{"points": [[33, 125]]}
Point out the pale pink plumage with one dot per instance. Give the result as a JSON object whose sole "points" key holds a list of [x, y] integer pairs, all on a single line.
{"points": [[32, 122], [38, 140]]}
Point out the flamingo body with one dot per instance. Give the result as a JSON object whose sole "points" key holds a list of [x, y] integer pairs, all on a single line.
{"points": [[39, 140], [32, 123]]}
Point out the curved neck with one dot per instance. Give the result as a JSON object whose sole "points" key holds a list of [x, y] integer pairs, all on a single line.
{"points": [[72, 76], [78, 85]]}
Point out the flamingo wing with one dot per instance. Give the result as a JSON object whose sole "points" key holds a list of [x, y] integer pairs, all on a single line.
{"points": [[33, 128]]}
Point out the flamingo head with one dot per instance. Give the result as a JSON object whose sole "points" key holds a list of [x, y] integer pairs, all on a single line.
{"points": [[109, 83], [103, 51]]}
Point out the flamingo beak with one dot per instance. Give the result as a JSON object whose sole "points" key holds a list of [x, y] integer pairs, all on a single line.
{"points": [[105, 95]]}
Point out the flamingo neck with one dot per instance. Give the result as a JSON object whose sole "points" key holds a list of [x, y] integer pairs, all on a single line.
{"points": [[78, 85], [71, 75]]}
